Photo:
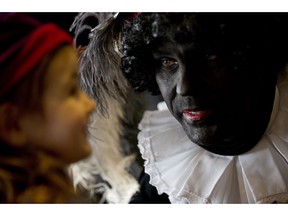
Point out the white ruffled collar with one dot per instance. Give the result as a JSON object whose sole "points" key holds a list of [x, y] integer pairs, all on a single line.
{"points": [[191, 174]]}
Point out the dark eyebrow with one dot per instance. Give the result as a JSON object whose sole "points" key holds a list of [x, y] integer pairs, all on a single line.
{"points": [[73, 79]]}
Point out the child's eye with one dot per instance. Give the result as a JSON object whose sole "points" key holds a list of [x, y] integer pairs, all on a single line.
{"points": [[74, 90], [168, 63]]}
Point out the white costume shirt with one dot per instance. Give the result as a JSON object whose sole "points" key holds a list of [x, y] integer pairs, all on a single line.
{"points": [[191, 174]]}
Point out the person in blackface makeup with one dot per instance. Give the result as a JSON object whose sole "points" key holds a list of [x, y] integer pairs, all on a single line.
{"points": [[222, 135]]}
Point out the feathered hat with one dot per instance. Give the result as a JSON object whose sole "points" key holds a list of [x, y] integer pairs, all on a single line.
{"points": [[105, 173]]}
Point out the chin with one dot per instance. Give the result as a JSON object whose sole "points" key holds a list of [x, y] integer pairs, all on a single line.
{"points": [[86, 151], [202, 141], [82, 153], [203, 136]]}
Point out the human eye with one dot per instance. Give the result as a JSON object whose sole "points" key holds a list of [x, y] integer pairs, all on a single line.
{"points": [[211, 57], [74, 89], [168, 63], [213, 60]]}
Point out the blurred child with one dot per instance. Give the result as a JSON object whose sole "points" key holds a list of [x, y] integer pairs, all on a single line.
{"points": [[43, 112]]}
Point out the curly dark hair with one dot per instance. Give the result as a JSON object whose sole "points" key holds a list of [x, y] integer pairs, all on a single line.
{"points": [[254, 41]]}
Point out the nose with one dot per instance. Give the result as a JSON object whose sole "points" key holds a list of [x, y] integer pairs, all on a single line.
{"points": [[182, 87], [188, 83], [89, 104]]}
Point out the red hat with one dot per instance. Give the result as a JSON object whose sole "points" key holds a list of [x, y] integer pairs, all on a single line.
{"points": [[24, 43]]}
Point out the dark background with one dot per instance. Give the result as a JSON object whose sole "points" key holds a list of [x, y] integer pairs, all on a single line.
{"points": [[64, 20]]}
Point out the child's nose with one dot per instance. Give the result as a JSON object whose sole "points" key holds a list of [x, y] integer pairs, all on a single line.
{"points": [[90, 104]]}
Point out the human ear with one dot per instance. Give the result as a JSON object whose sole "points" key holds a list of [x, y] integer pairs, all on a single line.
{"points": [[11, 130]]}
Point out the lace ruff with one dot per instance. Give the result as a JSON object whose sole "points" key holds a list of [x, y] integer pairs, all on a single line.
{"points": [[190, 174]]}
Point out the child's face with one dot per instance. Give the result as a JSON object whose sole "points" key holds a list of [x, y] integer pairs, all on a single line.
{"points": [[62, 129]]}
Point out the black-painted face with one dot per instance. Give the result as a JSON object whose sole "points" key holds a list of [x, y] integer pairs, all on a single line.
{"points": [[223, 107]]}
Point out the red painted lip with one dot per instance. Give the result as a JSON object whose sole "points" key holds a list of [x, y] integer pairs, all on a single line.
{"points": [[196, 115]]}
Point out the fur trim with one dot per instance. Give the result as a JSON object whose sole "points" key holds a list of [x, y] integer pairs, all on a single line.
{"points": [[115, 184], [105, 172], [100, 65]]}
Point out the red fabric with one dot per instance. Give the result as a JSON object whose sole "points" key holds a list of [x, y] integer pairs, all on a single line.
{"points": [[37, 45], [134, 15]]}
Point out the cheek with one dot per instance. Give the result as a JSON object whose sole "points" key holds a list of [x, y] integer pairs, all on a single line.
{"points": [[66, 136], [166, 86], [66, 122]]}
